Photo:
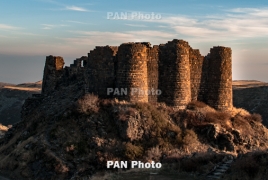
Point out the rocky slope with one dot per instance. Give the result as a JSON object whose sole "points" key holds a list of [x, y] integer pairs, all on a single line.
{"points": [[71, 135]]}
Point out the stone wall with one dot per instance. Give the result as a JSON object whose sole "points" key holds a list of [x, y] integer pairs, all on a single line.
{"points": [[100, 70], [196, 65], [74, 73], [134, 71]]}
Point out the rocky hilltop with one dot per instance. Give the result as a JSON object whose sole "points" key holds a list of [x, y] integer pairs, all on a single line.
{"points": [[74, 127], [71, 135]]}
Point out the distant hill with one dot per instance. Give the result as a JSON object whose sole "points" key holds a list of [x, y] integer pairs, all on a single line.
{"points": [[2, 84], [252, 96], [12, 98]]}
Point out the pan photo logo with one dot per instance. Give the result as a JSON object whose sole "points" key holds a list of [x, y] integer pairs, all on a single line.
{"points": [[133, 164], [133, 91], [133, 16]]}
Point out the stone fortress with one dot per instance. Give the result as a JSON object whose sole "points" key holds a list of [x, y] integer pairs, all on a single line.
{"points": [[181, 73]]}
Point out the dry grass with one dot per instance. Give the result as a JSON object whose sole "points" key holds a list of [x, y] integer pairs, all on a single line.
{"points": [[88, 104], [254, 117], [217, 116], [200, 107], [125, 113], [222, 118], [191, 119], [241, 124], [154, 153], [196, 105], [239, 111], [188, 137], [133, 152], [198, 114]]}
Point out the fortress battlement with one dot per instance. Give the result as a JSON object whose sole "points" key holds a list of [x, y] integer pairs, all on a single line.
{"points": [[181, 73]]}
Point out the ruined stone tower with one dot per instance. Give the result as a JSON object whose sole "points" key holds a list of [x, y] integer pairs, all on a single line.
{"points": [[100, 70], [174, 73], [137, 70], [132, 73], [220, 78], [53, 71]]}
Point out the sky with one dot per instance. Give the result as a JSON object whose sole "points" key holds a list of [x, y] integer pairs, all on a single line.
{"points": [[30, 30]]}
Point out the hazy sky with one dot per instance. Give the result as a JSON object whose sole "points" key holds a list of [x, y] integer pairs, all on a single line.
{"points": [[33, 29]]}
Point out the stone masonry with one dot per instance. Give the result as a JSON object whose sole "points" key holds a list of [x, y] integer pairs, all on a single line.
{"points": [[174, 70], [100, 70], [52, 73], [134, 71], [220, 78]]}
